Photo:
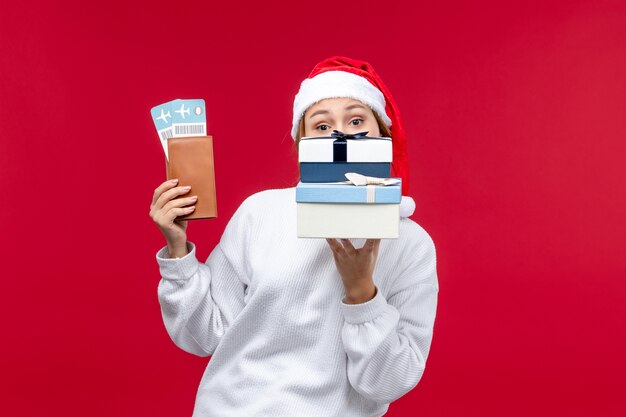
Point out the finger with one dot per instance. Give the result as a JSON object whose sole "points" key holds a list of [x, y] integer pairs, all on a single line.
{"points": [[371, 245], [172, 214], [336, 247], [180, 202], [166, 185], [170, 195], [349, 248], [165, 219], [376, 245]]}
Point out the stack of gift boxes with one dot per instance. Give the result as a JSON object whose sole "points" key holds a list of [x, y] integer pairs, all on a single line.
{"points": [[329, 205]]}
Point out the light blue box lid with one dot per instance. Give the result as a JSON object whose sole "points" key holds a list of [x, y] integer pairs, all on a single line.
{"points": [[316, 192]]}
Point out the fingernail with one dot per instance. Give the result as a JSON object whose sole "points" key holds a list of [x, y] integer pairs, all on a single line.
{"points": [[174, 181], [187, 187]]}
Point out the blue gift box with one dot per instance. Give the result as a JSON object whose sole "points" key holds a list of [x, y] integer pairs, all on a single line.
{"points": [[311, 172], [348, 193]]}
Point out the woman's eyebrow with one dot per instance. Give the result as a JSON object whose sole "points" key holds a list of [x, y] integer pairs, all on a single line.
{"points": [[318, 112], [354, 106]]}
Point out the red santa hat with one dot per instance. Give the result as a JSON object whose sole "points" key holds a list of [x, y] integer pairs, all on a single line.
{"points": [[340, 76]]}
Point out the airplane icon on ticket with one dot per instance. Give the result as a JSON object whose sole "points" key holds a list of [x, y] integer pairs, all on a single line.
{"points": [[182, 111], [164, 116]]}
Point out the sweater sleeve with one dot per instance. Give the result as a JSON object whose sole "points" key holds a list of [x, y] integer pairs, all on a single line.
{"points": [[387, 341], [200, 300]]}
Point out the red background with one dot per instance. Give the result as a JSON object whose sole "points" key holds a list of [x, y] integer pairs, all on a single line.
{"points": [[516, 122]]}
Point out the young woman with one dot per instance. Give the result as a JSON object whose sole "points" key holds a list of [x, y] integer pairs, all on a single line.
{"points": [[308, 327]]}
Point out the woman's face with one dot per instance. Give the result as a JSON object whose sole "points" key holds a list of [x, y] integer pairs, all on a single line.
{"points": [[344, 114]]}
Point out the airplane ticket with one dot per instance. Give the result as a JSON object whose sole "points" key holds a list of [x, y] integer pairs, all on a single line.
{"points": [[179, 118], [188, 118]]}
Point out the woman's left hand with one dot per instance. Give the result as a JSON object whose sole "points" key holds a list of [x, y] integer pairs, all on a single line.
{"points": [[356, 267]]}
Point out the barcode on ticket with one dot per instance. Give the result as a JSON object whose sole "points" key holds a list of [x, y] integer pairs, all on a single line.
{"points": [[166, 133], [189, 129]]}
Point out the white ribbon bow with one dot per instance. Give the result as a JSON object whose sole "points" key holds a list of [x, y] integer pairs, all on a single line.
{"points": [[358, 179]]}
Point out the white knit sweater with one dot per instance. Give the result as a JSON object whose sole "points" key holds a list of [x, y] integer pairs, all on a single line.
{"points": [[269, 307]]}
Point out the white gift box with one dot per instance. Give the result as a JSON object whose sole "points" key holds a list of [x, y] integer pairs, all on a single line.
{"points": [[322, 149], [348, 220]]}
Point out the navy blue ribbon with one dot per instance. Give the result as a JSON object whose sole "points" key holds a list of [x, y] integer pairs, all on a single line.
{"points": [[340, 145], [340, 135]]}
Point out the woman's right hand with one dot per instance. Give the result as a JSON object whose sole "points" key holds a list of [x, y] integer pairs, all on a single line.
{"points": [[166, 207]]}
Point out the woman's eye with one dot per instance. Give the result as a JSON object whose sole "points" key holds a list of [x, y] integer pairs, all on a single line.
{"points": [[356, 120], [320, 127]]}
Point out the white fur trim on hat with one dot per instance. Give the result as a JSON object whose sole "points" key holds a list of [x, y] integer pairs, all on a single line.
{"points": [[331, 84], [407, 206]]}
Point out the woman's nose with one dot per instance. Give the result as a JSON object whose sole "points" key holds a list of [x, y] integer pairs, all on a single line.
{"points": [[343, 127]]}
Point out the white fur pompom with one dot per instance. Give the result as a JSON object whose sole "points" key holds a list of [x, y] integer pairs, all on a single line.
{"points": [[407, 206]]}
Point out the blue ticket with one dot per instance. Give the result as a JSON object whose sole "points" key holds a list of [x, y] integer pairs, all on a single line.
{"points": [[162, 118], [188, 118]]}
